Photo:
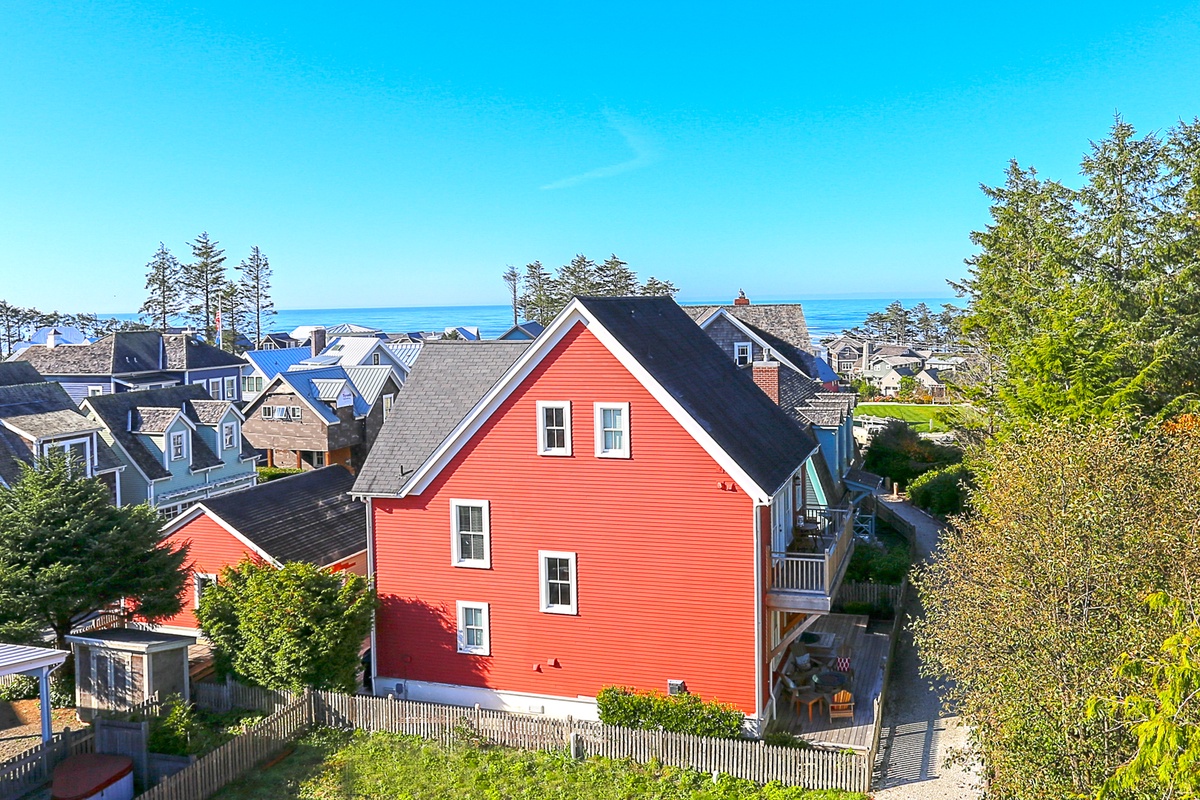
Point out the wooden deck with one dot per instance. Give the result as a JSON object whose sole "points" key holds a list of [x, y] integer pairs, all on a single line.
{"points": [[868, 654]]}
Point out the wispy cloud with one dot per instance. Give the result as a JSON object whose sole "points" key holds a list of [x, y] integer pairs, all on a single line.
{"points": [[644, 154]]}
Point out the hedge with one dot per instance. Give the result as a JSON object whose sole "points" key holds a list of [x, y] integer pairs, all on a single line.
{"points": [[681, 713], [271, 473]]}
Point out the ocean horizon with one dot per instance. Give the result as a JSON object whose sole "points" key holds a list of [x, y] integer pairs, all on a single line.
{"points": [[825, 316]]}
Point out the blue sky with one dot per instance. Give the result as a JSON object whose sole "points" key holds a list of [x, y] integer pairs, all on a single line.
{"points": [[404, 154]]}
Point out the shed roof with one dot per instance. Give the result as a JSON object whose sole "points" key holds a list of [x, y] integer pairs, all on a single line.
{"points": [[17, 659], [135, 639], [272, 362]]}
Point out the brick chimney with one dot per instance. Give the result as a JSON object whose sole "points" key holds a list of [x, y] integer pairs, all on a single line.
{"points": [[766, 375], [317, 337], [741, 299]]}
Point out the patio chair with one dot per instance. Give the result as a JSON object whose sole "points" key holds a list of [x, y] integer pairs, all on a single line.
{"points": [[843, 663], [841, 706]]}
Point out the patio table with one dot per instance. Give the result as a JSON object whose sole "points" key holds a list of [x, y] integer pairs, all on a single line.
{"points": [[830, 680]]}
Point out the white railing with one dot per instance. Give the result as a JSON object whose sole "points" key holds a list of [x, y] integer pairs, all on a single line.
{"points": [[815, 572]]}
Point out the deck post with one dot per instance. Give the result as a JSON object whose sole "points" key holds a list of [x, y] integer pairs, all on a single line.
{"points": [[44, 697]]}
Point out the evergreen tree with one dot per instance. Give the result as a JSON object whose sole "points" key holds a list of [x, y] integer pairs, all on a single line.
{"points": [[234, 316], [512, 279], [539, 301], [254, 292], [164, 300], [203, 283], [65, 551], [614, 278], [653, 287], [576, 278]]}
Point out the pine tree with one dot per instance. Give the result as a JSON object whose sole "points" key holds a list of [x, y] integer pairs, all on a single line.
{"points": [[653, 287], [254, 291], [577, 278], [539, 301], [203, 282], [512, 279], [163, 275], [614, 278]]}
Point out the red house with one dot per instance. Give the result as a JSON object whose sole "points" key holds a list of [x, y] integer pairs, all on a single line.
{"points": [[307, 517], [609, 504]]}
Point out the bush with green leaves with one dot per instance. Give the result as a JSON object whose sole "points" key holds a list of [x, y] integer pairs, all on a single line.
{"points": [[289, 628], [886, 561], [681, 713], [941, 491], [271, 473], [897, 452], [23, 687]]}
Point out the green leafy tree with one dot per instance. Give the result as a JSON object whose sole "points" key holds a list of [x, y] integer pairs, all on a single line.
{"points": [[66, 551], [290, 628], [164, 298], [1163, 712], [897, 452], [254, 292], [204, 284], [1039, 590]]}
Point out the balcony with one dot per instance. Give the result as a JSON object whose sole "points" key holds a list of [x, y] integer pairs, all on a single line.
{"points": [[806, 575]]}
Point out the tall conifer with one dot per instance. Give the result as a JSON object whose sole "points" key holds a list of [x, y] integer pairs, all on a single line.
{"points": [[165, 291], [204, 281], [254, 291]]}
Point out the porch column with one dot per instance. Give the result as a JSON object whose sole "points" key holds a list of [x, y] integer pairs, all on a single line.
{"points": [[44, 687]]}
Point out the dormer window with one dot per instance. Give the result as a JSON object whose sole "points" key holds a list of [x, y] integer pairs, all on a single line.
{"points": [[228, 435], [742, 353], [554, 427], [178, 446]]}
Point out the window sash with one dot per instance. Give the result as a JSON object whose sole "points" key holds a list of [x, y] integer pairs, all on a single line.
{"points": [[177, 446], [474, 628], [554, 427], [228, 435], [612, 430], [557, 574], [470, 529]]}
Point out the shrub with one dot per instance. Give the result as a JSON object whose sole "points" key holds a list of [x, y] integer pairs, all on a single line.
{"points": [[681, 713], [897, 452], [786, 739], [23, 688], [172, 732], [941, 491], [271, 473], [886, 562]]}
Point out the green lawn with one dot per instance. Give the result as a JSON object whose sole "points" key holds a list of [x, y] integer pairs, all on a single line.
{"points": [[330, 765], [917, 415]]}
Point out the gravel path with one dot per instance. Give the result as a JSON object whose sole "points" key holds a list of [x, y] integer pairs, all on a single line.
{"points": [[918, 736], [22, 726]]}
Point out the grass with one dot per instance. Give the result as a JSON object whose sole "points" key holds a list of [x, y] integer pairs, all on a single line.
{"points": [[917, 415], [330, 765]]}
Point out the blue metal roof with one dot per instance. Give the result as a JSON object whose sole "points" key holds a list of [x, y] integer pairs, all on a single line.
{"points": [[273, 362], [304, 381]]}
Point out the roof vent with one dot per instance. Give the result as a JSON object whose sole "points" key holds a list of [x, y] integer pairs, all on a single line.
{"points": [[741, 299]]}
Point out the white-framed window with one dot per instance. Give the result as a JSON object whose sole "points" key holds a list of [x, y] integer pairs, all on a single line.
{"points": [[612, 430], [200, 582], [258, 383], [95, 391], [228, 435], [559, 584], [474, 628], [375, 359], [170, 512], [388, 400], [742, 353], [214, 388], [554, 427], [318, 458], [267, 412], [231, 388], [294, 412], [178, 446], [470, 534], [78, 453], [246, 383]]}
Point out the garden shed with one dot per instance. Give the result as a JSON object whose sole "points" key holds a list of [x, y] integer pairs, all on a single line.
{"points": [[118, 668], [39, 662]]}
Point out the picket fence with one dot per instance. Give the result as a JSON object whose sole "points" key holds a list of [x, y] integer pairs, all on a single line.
{"points": [[292, 715], [871, 593], [34, 768]]}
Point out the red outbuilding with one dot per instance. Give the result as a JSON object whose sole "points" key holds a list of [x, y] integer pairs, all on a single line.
{"points": [[613, 503]]}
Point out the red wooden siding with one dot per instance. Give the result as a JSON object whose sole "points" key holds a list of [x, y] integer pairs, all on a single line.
{"points": [[665, 555], [212, 548]]}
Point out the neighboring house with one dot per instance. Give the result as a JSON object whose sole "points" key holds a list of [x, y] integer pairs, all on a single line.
{"points": [[278, 341], [309, 418], [263, 365], [405, 352], [58, 334], [932, 382], [309, 517], [356, 351], [137, 360], [783, 320], [612, 503], [746, 343], [37, 419], [522, 331], [177, 444], [350, 329], [890, 382], [14, 373]]}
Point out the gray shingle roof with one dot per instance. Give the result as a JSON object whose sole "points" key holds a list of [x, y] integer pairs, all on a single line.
{"points": [[44, 411], [184, 352], [149, 419], [125, 352], [864, 478], [445, 384], [210, 412], [783, 320], [14, 373], [307, 517]]}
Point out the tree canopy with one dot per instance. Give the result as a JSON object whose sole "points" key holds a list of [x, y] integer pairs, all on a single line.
{"points": [[288, 628], [65, 551], [539, 295]]}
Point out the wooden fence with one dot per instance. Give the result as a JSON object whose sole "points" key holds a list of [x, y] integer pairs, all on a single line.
{"points": [[34, 768], [751, 760], [871, 593], [221, 698]]}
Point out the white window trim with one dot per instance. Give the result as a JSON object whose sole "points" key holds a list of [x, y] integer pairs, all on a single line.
{"points": [[471, 563], [214, 388], [196, 576], [486, 648], [389, 400], [65, 446], [171, 446], [542, 405], [231, 429], [95, 391], [295, 412], [749, 352], [231, 388], [268, 412], [598, 412], [544, 588]]}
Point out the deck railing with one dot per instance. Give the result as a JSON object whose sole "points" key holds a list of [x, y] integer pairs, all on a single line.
{"points": [[815, 572]]}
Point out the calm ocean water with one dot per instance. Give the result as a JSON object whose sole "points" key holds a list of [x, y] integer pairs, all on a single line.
{"points": [[826, 317]]}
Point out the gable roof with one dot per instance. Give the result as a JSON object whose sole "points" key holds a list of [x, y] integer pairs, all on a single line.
{"points": [[369, 381], [354, 351], [272, 362], [523, 330], [718, 403], [313, 385], [123, 352], [308, 517], [15, 373], [42, 410], [783, 320], [446, 382], [184, 351]]}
